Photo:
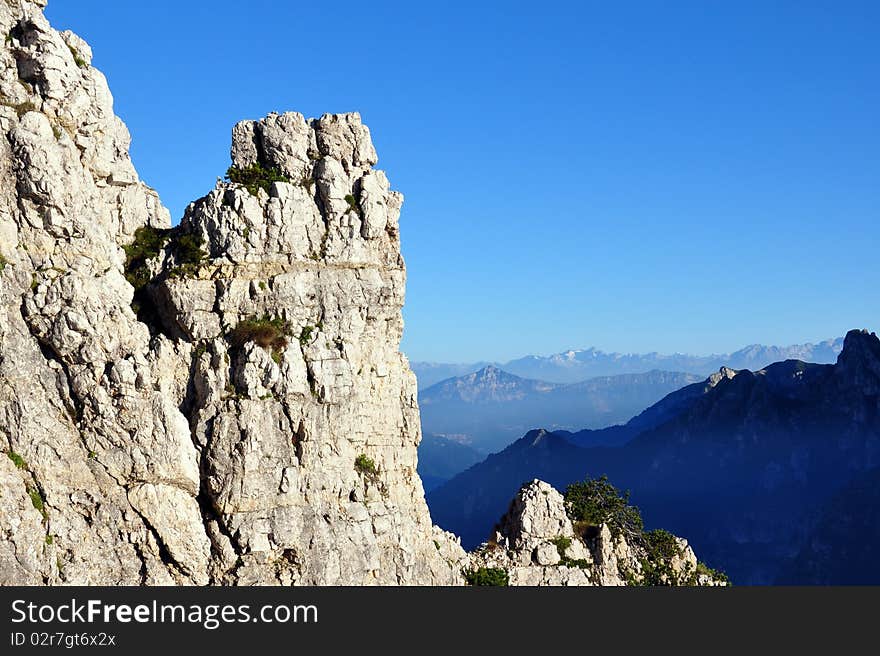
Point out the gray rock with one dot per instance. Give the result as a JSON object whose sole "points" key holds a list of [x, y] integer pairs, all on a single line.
{"points": [[123, 424]]}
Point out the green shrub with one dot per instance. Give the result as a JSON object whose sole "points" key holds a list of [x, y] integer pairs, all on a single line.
{"points": [[188, 249], [17, 460], [660, 549], [714, 574], [352, 204], [3, 263], [562, 543], [365, 465], [305, 335], [495, 576], [661, 544], [595, 501], [148, 243], [267, 332], [255, 177]]}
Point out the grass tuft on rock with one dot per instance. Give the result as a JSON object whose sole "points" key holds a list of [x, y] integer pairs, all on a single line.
{"points": [[77, 58], [17, 460], [38, 503]]}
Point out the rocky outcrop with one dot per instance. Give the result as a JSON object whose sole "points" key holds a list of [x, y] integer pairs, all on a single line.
{"points": [[80, 413], [280, 428], [222, 402], [144, 452], [537, 543]]}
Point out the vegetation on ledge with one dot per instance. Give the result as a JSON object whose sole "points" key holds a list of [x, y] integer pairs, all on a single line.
{"points": [[17, 460], [493, 576], [255, 177], [188, 253], [596, 501], [77, 58], [593, 502], [266, 332], [365, 465], [148, 243]]}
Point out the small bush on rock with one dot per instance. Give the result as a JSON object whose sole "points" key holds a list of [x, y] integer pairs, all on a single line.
{"points": [[305, 335], [365, 465], [266, 332], [255, 177], [494, 576], [352, 204], [148, 243], [189, 249], [596, 501], [562, 543], [715, 574], [661, 548]]}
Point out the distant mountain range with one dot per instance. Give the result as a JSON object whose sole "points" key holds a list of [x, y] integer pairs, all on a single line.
{"points": [[771, 474], [577, 365], [490, 408]]}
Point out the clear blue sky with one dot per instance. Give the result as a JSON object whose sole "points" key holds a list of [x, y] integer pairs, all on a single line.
{"points": [[671, 176]]}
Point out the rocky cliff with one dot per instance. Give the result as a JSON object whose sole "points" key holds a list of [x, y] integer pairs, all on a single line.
{"points": [[222, 402]]}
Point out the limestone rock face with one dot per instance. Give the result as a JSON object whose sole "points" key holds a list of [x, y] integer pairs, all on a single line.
{"points": [[79, 408], [279, 429], [152, 451]]}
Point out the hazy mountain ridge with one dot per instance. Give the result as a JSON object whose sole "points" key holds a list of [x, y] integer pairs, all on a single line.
{"points": [[762, 449], [441, 458], [491, 408], [576, 365], [489, 384]]}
